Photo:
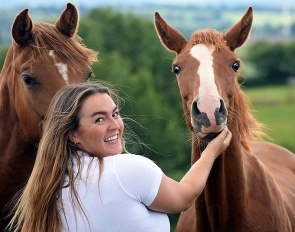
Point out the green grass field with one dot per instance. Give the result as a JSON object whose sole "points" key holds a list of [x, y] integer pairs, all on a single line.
{"points": [[275, 107]]}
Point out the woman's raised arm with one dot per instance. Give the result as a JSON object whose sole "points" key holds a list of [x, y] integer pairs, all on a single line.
{"points": [[176, 196]]}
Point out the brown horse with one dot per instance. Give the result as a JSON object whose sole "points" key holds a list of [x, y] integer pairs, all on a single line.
{"points": [[252, 185], [42, 58]]}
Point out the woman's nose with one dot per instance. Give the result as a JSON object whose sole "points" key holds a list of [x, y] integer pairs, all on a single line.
{"points": [[114, 124]]}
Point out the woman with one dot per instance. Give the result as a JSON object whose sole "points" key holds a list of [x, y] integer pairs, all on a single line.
{"points": [[82, 182]]}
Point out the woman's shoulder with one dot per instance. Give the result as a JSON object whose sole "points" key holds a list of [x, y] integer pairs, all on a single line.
{"points": [[138, 176]]}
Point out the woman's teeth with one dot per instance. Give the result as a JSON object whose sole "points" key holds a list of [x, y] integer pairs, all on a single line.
{"points": [[110, 139]]}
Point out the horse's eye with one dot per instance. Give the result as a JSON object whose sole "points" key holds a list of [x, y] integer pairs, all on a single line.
{"points": [[29, 81], [89, 75], [176, 69], [235, 66]]}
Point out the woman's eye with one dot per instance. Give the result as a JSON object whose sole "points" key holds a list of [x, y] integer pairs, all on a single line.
{"points": [[99, 120], [235, 66], [176, 69], [116, 114]]}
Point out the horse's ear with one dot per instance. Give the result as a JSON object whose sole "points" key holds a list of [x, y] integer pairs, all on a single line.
{"points": [[239, 32], [171, 38], [22, 28], [68, 21]]}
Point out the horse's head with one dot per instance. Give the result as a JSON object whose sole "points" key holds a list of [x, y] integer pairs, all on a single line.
{"points": [[206, 68], [42, 58]]}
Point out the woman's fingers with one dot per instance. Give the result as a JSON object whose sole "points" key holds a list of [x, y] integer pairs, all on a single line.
{"points": [[228, 136], [225, 137], [224, 133]]}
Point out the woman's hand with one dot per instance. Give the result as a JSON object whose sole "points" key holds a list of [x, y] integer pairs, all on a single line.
{"points": [[218, 145]]}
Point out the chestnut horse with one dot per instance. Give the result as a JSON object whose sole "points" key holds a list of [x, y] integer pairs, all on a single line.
{"points": [[252, 185], [42, 58]]}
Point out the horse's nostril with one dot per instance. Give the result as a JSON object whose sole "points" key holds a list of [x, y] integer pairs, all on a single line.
{"points": [[222, 109], [195, 110], [220, 113]]}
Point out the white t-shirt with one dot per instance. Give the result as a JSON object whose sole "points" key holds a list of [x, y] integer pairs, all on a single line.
{"points": [[118, 201]]}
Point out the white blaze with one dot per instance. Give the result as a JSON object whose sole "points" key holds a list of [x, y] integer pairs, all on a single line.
{"points": [[62, 68], [208, 99], [207, 83]]}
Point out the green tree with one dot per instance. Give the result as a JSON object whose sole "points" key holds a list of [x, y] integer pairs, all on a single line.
{"points": [[290, 58], [3, 51], [273, 62], [136, 40]]}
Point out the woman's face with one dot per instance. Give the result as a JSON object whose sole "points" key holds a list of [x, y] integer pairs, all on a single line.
{"points": [[100, 128]]}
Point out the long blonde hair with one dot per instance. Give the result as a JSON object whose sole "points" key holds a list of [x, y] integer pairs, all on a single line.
{"points": [[39, 205]]}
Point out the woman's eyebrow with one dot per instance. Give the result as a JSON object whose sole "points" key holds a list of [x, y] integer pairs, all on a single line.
{"points": [[103, 112]]}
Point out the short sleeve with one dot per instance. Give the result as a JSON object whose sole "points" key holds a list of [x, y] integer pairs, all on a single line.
{"points": [[138, 176]]}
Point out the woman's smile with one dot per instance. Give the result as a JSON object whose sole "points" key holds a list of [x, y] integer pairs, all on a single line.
{"points": [[112, 139]]}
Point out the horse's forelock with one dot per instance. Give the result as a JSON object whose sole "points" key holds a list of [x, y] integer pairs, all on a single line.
{"points": [[209, 37], [47, 37]]}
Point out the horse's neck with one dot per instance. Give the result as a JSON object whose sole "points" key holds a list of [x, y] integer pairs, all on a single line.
{"points": [[227, 174]]}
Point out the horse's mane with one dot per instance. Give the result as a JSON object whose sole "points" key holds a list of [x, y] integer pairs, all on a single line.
{"points": [[46, 37], [249, 128], [240, 112]]}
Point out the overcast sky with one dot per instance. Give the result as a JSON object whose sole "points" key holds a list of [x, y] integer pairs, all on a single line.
{"points": [[90, 3]]}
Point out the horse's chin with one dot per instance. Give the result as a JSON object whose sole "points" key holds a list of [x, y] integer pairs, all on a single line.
{"points": [[207, 137], [207, 134]]}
